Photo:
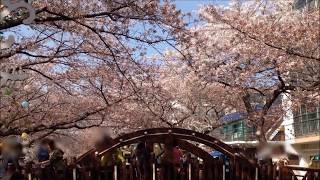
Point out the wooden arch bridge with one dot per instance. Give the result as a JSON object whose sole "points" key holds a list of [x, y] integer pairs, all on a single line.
{"points": [[201, 166], [198, 164]]}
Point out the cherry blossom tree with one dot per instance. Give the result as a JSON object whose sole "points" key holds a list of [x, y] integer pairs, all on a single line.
{"points": [[258, 52], [88, 65], [85, 63]]}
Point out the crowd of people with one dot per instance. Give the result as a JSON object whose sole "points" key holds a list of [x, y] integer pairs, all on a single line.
{"points": [[49, 158], [49, 163], [141, 156]]}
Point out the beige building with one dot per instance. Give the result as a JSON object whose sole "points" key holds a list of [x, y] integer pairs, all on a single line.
{"points": [[302, 132], [298, 133]]}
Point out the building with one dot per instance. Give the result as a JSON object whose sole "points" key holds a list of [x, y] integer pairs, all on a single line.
{"points": [[308, 4], [236, 133], [235, 129], [303, 134], [298, 133], [302, 128]]}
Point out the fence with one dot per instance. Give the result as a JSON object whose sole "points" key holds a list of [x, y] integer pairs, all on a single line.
{"points": [[197, 163], [193, 169]]}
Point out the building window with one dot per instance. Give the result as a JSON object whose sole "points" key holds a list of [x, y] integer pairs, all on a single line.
{"points": [[303, 109], [237, 131], [307, 121], [312, 116]]}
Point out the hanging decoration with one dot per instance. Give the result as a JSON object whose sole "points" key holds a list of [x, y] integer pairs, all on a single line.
{"points": [[24, 136], [7, 91], [25, 104]]}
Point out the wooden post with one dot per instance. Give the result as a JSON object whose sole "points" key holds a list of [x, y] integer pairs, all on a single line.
{"points": [[115, 172], [224, 172], [154, 171], [74, 174], [29, 176], [189, 171], [216, 168], [242, 169], [270, 171], [195, 168], [28, 171], [207, 170], [237, 168], [220, 168], [232, 168], [310, 175]]}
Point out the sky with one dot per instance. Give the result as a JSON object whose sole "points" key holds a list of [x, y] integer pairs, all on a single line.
{"points": [[193, 5], [186, 6]]}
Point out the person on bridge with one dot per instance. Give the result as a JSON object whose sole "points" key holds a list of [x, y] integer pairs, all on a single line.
{"points": [[109, 159], [42, 156], [172, 162], [177, 156], [142, 155], [43, 151], [11, 152], [55, 162]]}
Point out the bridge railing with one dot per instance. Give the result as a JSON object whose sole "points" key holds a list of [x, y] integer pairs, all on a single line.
{"points": [[197, 163], [288, 172], [192, 169]]}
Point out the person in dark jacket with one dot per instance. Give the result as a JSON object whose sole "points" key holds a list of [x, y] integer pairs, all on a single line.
{"points": [[43, 156], [43, 151], [57, 163], [142, 154]]}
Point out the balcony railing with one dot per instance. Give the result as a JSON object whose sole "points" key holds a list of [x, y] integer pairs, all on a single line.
{"points": [[307, 124], [241, 134], [306, 128]]}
